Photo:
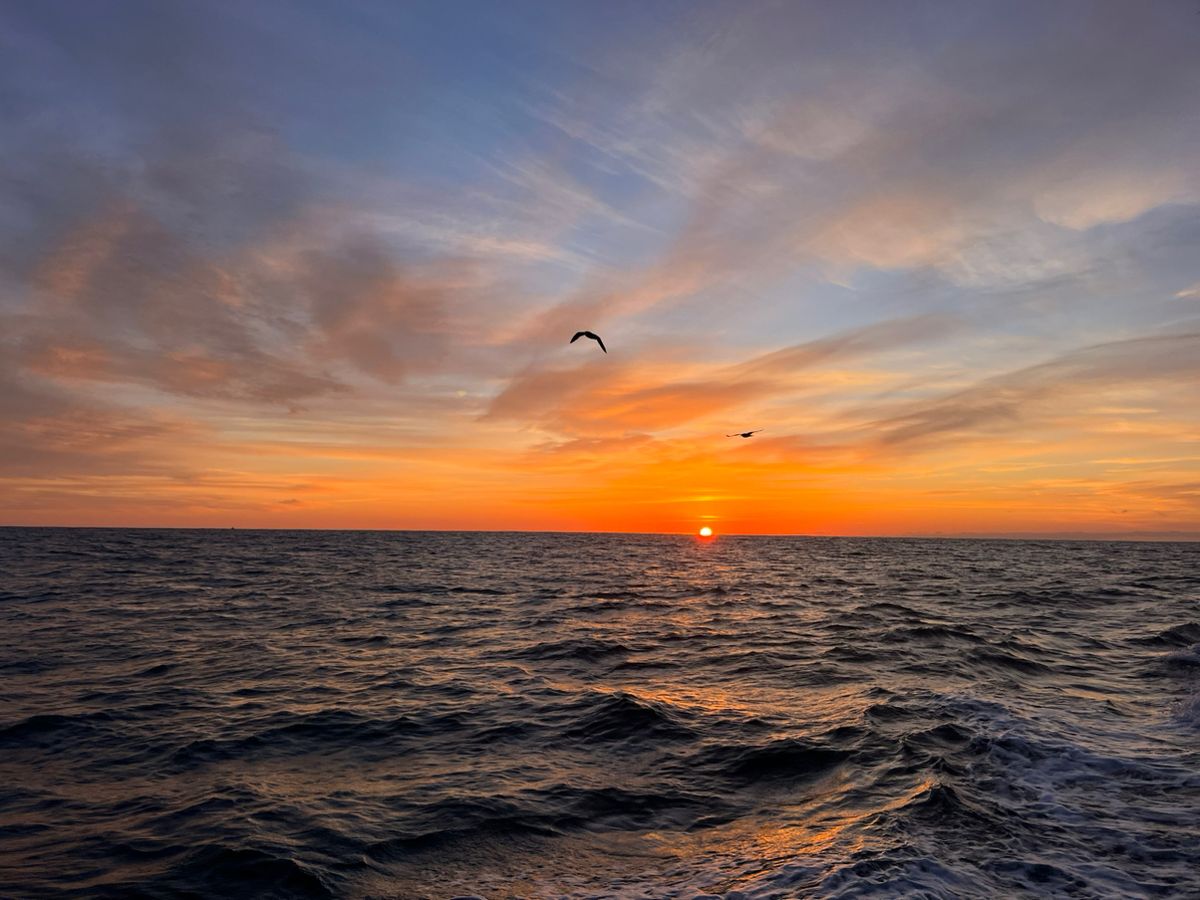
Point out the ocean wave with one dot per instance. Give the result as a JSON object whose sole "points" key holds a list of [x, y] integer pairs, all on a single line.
{"points": [[932, 634], [259, 873], [46, 730], [411, 716], [787, 759], [322, 731], [1176, 636], [458, 819], [1188, 657], [996, 658], [622, 717], [585, 649], [946, 736]]}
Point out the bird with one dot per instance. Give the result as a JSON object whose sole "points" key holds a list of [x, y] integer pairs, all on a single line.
{"points": [[588, 334], [744, 433]]}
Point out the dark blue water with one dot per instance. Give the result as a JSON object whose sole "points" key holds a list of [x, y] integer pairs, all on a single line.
{"points": [[352, 714]]}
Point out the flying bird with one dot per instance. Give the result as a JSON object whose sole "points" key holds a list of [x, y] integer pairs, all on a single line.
{"points": [[588, 334], [745, 433]]}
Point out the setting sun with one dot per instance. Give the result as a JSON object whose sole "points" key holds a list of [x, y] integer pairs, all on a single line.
{"points": [[706, 532]]}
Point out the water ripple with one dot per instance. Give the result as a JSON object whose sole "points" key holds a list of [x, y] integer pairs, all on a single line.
{"points": [[406, 715]]}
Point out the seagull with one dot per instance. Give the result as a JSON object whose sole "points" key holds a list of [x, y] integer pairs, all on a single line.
{"points": [[588, 334], [744, 433]]}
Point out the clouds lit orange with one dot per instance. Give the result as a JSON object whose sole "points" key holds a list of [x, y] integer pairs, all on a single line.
{"points": [[953, 280]]}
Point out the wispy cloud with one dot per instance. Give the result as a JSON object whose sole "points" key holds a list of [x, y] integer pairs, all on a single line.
{"points": [[266, 261], [607, 397], [1012, 399]]}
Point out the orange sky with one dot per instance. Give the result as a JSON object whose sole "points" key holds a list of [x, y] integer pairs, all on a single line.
{"points": [[953, 277]]}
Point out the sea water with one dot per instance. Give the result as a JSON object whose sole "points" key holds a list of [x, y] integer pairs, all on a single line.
{"points": [[410, 715]]}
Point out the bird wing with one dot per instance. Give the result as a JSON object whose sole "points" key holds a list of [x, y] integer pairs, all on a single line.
{"points": [[578, 335], [600, 342]]}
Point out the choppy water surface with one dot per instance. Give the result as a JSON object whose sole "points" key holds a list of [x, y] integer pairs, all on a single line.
{"points": [[414, 715]]}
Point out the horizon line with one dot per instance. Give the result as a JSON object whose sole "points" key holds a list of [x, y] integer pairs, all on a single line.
{"points": [[1144, 536]]}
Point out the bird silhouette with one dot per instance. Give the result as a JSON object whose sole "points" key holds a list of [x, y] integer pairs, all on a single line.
{"points": [[744, 433], [588, 334]]}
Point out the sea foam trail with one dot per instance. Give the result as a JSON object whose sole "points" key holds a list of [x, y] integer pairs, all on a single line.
{"points": [[412, 715]]}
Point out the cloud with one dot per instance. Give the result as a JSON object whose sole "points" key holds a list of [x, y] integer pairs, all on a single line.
{"points": [[878, 337], [46, 432], [952, 157], [371, 313], [149, 284], [274, 241], [606, 396], [1013, 399], [259, 377], [1106, 198], [124, 298]]}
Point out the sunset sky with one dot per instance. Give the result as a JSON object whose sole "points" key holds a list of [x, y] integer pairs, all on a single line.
{"points": [[317, 265]]}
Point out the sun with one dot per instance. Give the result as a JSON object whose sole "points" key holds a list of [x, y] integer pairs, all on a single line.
{"points": [[706, 532]]}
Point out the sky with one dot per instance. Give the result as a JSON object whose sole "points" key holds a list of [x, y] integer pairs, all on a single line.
{"points": [[316, 265]]}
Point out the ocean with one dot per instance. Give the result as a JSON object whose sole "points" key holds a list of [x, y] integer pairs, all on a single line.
{"points": [[436, 715]]}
